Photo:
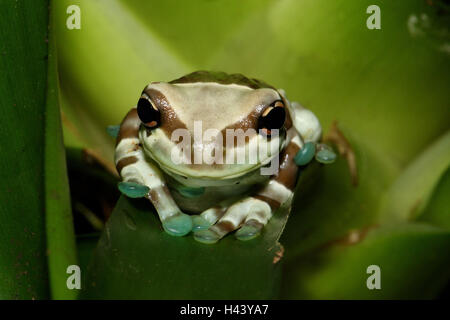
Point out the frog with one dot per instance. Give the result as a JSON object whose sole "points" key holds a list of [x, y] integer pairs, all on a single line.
{"points": [[214, 199]]}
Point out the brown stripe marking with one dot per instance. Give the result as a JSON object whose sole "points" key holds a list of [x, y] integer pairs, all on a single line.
{"points": [[252, 119], [287, 173], [125, 162], [218, 212], [129, 128], [224, 227], [274, 205], [169, 118], [156, 194]]}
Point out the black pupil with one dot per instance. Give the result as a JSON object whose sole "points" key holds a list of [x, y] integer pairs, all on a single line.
{"points": [[274, 119], [146, 112]]}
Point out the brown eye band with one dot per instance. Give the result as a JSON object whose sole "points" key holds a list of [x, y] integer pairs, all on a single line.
{"points": [[148, 113], [273, 117]]}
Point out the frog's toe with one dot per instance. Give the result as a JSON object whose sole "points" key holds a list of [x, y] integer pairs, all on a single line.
{"points": [[305, 154], [206, 236], [133, 189], [200, 223], [178, 225], [250, 230]]}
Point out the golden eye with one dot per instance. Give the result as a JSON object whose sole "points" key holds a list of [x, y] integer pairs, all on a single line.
{"points": [[273, 117], [148, 113]]}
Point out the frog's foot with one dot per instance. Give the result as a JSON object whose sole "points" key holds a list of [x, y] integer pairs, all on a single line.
{"points": [[207, 218], [133, 189], [178, 225], [250, 215]]}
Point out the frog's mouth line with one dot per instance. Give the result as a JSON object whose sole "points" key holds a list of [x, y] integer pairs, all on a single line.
{"points": [[245, 169], [241, 162]]}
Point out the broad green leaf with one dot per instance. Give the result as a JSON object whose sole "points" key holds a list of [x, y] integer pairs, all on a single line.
{"points": [[23, 65], [328, 207], [413, 259], [197, 29], [136, 259], [58, 212], [86, 245], [350, 211], [407, 197]]}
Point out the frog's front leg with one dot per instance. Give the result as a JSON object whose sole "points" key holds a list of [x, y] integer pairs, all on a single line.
{"points": [[251, 214], [139, 174]]}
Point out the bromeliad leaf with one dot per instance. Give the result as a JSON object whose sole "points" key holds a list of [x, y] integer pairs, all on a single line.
{"points": [[58, 212], [23, 272], [136, 259], [340, 270]]}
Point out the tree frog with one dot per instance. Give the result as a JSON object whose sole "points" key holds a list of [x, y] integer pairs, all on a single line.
{"points": [[213, 199]]}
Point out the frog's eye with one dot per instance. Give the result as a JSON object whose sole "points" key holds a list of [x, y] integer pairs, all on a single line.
{"points": [[148, 113], [272, 118]]}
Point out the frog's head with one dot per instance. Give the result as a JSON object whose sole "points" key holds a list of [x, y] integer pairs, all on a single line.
{"points": [[211, 108]]}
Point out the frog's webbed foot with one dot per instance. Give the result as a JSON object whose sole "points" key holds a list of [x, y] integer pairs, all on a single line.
{"points": [[173, 220], [178, 224], [345, 149], [249, 216]]}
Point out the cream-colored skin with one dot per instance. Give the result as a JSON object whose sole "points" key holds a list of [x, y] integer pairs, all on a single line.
{"points": [[234, 196]]}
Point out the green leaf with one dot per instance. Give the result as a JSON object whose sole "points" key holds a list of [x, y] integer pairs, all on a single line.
{"points": [[328, 207], [413, 259], [438, 209], [59, 224], [186, 33], [23, 272], [136, 259], [352, 212], [86, 245], [407, 197]]}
